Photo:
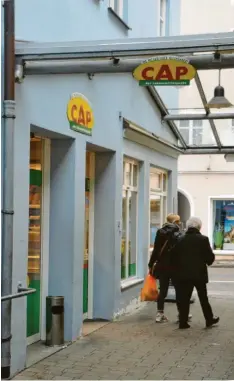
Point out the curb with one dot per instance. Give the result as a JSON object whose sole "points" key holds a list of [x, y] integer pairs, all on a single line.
{"points": [[224, 265]]}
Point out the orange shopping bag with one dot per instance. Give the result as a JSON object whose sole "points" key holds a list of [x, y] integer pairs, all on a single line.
{"points": [[149, 292]]}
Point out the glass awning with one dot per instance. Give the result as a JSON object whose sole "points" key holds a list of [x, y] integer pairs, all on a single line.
{"points": [[184, 109], [188, 113]]}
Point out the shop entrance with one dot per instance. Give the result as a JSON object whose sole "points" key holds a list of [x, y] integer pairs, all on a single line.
{"points": [[89, 236], [184, 208], [38, 245]]}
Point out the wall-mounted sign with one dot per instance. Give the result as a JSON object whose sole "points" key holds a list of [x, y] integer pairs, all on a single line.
{"points": [[165, 71], [80, 114]]}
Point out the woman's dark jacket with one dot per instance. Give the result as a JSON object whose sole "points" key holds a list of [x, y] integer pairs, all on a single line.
{"points": [[191, 256], [170, 233]]}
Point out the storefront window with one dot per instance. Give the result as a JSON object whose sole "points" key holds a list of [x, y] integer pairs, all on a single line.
{"points": [[158, 201], [89, 194], [223, 224], [129, 219], [34, 236]]}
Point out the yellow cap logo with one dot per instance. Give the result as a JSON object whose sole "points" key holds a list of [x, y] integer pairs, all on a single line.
{"points": [[80, 114], [165, 71]]}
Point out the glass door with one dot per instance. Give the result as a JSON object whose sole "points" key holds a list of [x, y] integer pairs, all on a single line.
{"points": [[157, 203], [34, 238]]}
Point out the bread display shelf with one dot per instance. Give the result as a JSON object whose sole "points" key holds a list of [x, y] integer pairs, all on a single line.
{"points": [[33, 270], [34, 218], [34, 252]]}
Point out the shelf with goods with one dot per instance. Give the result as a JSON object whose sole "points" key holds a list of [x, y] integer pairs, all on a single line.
{"points": [[34, 236]]}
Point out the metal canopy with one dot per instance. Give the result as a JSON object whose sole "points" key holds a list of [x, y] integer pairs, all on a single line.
{"points": [[130, 47], [196, 128]]}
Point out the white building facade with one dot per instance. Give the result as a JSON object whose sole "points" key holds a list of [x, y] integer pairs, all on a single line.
{"points": [[206, 182]]}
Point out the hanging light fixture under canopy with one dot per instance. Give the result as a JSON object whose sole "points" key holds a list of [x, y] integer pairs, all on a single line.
{"points": [[219, 100]]}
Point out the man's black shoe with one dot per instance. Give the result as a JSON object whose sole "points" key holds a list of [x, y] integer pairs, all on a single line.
{"points": [[184, 326], [214, 321]]}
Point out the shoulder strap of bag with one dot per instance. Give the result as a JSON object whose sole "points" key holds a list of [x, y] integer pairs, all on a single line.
{"points": [[165, 244]]}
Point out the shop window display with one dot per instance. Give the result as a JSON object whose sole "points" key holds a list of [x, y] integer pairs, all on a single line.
{"points": [[129, 219], [223, 224], [158, 201], [34, 235]]}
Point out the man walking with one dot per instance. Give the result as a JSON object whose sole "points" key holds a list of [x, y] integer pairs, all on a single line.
{"points": [[160, 265], [191, 256]]}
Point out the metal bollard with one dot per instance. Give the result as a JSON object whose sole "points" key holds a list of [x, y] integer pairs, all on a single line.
{"points": [[54, 320]]}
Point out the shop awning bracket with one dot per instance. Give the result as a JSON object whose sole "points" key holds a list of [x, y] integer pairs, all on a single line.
{"points": [[142, 136]]}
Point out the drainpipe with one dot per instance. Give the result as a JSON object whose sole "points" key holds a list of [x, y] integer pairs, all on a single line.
{"points": [[8, 185]]}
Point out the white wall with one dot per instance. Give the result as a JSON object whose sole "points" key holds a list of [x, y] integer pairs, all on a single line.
{"points": [[206, 16], [205, 176], [203, 186], [204, 163]]}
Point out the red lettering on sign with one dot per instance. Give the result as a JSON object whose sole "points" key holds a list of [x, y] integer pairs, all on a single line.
{"points": [[88, 117], [181, 70], [81, 117], [164, 73], [73, 111], [145, 73]]}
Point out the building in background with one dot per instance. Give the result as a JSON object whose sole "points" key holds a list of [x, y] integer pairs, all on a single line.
{"points": [[206, 183], [85, 195]]}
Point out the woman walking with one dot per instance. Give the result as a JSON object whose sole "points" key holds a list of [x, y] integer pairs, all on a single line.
{"points": [[160, 264]]}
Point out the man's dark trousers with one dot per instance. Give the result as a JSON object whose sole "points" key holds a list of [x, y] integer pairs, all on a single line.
{"points": [[184, 290]]}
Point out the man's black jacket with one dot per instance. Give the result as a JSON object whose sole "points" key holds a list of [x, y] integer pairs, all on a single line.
{"points": [[169, 232], [191, 256]]}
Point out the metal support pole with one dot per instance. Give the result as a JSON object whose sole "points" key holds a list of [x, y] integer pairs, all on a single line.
{"points": [[204, 102], [132, 47], [69, 64], [212, 150], [163, 110], [22, 291], [8, 186], [198, 116]]}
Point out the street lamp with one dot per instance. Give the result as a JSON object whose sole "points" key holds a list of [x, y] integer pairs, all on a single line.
{"points": [[219, 100]]}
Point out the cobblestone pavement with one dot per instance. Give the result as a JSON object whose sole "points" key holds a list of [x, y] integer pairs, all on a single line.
{"points": [[135, 347]]}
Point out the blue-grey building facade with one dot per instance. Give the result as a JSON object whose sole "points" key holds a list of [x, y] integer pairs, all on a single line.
{"points": [[64, 201]]}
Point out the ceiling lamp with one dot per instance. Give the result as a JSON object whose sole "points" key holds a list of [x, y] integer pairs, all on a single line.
{"points": [[219, 100]]}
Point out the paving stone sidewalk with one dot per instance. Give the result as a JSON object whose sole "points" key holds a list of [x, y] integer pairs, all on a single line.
{"points": [[135, 347]]}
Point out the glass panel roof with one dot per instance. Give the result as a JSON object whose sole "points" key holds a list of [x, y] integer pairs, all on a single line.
{"points": [[181, 97], [225, 129], [202, 133], [196, 133]]}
